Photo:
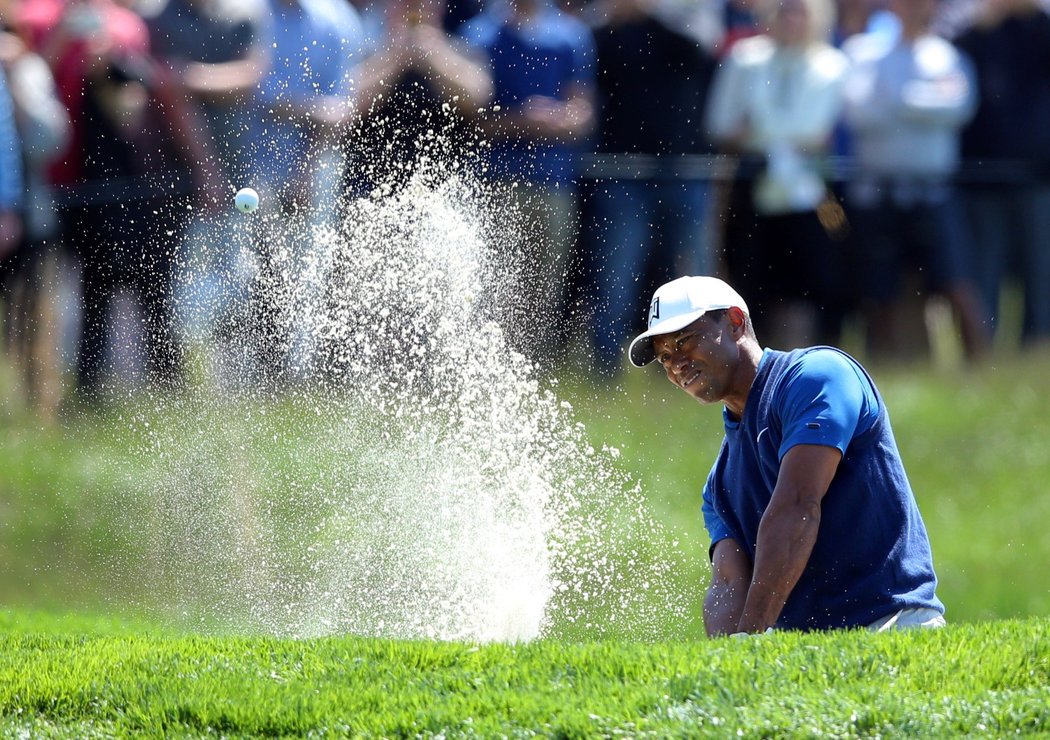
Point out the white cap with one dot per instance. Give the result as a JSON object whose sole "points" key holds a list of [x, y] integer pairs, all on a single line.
{"points": [[676, 305]]}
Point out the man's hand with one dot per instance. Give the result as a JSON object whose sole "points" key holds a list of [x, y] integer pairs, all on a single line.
{"points": [[744, 635], [730, 576]]}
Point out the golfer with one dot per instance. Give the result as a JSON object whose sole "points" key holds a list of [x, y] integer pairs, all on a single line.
{"points": [[812, 520]]}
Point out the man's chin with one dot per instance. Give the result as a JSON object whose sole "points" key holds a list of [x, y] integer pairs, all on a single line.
{"points": [[702, 395]]}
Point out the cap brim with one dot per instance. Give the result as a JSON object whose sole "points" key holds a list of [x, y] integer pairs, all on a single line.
{"points": [[641, 350]]}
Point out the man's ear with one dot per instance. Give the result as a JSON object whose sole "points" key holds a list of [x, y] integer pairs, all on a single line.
{"points": [[737, 321]]}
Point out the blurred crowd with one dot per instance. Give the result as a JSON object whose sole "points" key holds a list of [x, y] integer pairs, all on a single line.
{"points": [[842, 163]]}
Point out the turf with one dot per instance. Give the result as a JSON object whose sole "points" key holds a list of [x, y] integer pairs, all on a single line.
{"points": [[81, 677]]}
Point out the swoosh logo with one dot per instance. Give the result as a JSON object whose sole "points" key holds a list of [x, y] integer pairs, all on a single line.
{"points": [[758, 439]]}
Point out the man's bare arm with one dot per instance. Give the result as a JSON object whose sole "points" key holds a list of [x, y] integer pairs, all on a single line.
{"points": [[730, 577], [224, 82], [787, 532]]}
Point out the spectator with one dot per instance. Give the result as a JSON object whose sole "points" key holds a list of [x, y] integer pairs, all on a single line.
{"points": [[649, 217], [413, 95], [542, 63], [218, 51], [304, 99], [851, 18], [1006, 184], [414, 101], [855, 17], [907, 101], [126, 180], [305, 94], [775, 102], [43, 125]]}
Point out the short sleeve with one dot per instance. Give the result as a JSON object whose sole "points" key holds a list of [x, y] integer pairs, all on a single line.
{"points": [[826, 399], [716, 528]]}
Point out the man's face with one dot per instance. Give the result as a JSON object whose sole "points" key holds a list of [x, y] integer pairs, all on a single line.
{"points": [[790, 25], [915, 12], [701, 358]]}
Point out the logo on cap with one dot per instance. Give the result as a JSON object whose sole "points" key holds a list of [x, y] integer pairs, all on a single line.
{"points": [[654, 311]]}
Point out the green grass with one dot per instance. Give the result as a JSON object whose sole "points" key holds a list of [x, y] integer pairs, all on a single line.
{"points": [[83, 678], [80, 656]]}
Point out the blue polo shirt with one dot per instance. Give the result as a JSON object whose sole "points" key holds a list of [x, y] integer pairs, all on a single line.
{"points": [[872, 555], [546, 56]]}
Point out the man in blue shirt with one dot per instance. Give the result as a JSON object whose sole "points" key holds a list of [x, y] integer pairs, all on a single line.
{"points": [[812, 520], [542, 63], [305, 93]]}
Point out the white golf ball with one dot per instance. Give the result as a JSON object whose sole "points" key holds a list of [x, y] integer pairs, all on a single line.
{"points": [[246, 200]]}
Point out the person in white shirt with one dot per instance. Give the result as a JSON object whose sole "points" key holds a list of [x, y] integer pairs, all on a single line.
{"points": [[774, 104], [906, 103]]}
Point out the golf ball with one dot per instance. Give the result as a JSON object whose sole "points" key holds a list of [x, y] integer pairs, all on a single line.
{"points": [[246, 200]]}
